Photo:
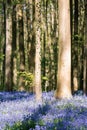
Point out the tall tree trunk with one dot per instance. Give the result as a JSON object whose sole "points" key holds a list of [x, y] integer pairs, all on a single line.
{"points": [[32, 38], [64, 55], [75, 62], [4, 45], [2, 41], [17, 43], [14, 48], [85, 53], [81, 26], [71, 22], [38, 90], [21, 48], [54, 40], [43, 44], [25, 37], [8, 50]]}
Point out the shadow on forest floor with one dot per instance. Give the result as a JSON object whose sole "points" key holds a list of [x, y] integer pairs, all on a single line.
{"points": [[52, 114], [33, 120], [10, 96], [72, 118]]}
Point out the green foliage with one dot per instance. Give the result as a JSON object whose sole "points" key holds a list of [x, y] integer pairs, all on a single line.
{"points": [[41, 123], [1, 57], [44, 78], [22, 125], [28, 79], [14, 2], [78, 39]]}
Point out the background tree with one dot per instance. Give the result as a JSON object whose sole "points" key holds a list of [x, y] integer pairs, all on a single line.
{"points": [[75, 49], [8, 49], [21, 46], [2, 41], [85, 54], [14, 46]]}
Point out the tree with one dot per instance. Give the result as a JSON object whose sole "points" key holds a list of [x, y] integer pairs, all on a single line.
{"points": [[8, 49], [64, 55], [25, 33], [2, 41], [31, 22], [75, 49], [21, 46], [85, 53], [38, 90], [14, 47]]}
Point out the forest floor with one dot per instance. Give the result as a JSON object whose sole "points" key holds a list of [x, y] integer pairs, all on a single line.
{"points": [[20, 111]]}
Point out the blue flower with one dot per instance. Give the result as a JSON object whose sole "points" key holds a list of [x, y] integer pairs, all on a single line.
{"points": [[51, 114]]}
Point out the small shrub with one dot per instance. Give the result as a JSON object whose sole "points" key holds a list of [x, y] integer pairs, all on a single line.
{"points": [[28, 79]]}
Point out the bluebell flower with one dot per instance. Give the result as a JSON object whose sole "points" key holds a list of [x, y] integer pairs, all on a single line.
{"points": [[51, 114]]}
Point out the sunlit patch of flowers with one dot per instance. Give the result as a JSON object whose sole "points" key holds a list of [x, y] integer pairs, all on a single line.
{"points": [[20, 111]]}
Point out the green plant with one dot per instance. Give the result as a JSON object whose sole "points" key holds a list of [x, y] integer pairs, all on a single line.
{"points": [[44, 78], [28, 79], [26, 125], [1, 57]]}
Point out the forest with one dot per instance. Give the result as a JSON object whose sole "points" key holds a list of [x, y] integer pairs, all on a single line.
{"points": [[43, 64]]}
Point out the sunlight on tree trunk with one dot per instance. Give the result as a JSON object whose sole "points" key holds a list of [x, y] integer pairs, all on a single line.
{"points": [[38, 90], [64, 56]]}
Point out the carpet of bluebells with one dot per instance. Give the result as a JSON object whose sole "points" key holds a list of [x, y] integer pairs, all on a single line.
{"points": [[20, 111]]}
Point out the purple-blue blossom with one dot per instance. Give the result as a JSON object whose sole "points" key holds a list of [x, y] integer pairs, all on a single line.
{"points": [[51, 114]]}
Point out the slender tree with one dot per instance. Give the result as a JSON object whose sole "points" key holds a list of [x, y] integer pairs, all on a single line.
{"points": [[64, 55], [85, 54], [81, 41], [25, 35], [14, 48], [21, 46], [75, 49], [31, 22], [8, 49], [38, 90], [2, 41]]}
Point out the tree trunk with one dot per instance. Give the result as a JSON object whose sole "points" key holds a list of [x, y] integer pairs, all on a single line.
{"points": [[2, 41], [75, 62], [64, 55], [14, 49], [38, 90], [25, 29], [21, 47], [32, 38], [85, 54], [8, 50]]}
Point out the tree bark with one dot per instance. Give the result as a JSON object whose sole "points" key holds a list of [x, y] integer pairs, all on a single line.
{"points": [[14, 48], [38, 89], [85, 54], [64, 55], [8, 50]]}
